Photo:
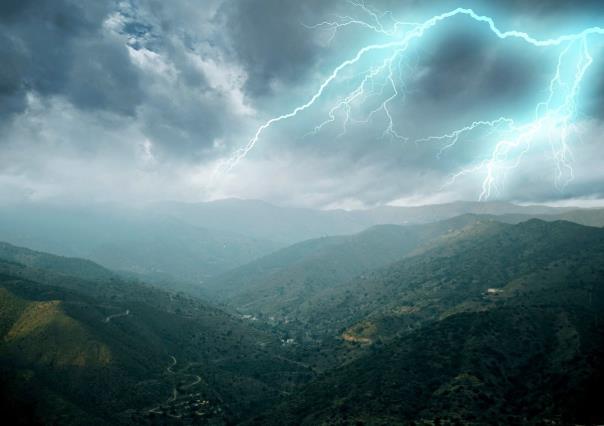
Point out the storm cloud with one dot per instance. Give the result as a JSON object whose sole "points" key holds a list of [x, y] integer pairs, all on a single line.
{"points": [[140, 100]]}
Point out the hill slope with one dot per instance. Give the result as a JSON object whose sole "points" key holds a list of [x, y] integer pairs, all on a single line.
{"points": [[287, 225], [291, 283], [587, 217], [442, 346], [118, 351], [188, 243], [126, 239], [457, 272]]}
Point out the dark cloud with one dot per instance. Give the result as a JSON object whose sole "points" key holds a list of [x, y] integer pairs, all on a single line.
{"points": [[547, 7], [154, 91], [534, 8], [188, 83], [595, 107], [11, 71], [593, 94], [475, 75], [269, 38], [59, 48], [79, 51], [104, 78]]}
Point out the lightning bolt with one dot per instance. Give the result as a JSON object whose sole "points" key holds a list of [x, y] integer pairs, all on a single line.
{"points": [[554, 119], [553, 122]]}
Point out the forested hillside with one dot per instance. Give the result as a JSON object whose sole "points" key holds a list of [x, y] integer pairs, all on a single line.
{"points": [[460, 321], [290, 282], [113, 351], [505, 325]]}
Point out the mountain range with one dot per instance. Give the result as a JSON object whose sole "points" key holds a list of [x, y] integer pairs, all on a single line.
{"points": [[474, 318], [184, 245], [80, 345], [505, 326]]}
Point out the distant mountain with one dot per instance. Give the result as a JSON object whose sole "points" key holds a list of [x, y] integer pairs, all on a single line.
{"points": [[182, 245], [143, 242], [587, 217], [76, 349], [290, 225], [260, 219], [453, 275], [81, 268], [502, 324], [463, 321], [436, 212], [291, 282], [335, 278]]}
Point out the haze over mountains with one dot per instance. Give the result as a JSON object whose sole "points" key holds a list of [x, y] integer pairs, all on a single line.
{"points": [[303, 274], [189, 243], [339, 277], [455, 313], [82, 346]]}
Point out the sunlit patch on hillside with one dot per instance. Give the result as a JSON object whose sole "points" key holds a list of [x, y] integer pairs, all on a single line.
{"points": [[43, 333]]}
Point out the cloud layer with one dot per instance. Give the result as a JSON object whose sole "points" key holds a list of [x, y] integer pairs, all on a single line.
{"points": [[139, 100]]}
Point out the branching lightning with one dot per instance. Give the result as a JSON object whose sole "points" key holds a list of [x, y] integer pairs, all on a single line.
{"points": [[553, 121]]}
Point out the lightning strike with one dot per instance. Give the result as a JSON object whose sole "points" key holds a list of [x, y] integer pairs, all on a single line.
{"points": [[553, 122]]}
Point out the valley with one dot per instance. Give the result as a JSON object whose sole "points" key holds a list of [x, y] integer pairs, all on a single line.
{"points": [[301, 213], [392, 325]]}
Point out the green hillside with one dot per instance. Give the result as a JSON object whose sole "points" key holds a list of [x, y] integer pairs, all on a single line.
{"points": [[455, 274], [503, 325], [75, 267], [81, 354], [444, 272], [508, 365], [587, 217], [465, 321], [287, 284]]}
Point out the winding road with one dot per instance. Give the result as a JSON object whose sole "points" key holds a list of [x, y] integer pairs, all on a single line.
{"points": [[123, 314], [175, 394]]}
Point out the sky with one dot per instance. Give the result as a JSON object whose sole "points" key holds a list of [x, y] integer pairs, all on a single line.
{"points": [[147, 100]]}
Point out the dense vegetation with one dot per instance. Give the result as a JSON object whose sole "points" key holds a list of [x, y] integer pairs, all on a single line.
{"points": [[77, 350], [290, 284], [444, 346], [179, 244], [467, 321]]}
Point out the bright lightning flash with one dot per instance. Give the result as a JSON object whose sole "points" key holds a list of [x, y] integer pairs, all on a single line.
{"points": [[553, 121]]}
